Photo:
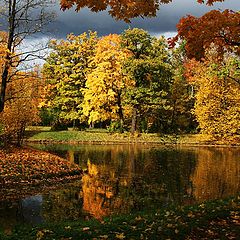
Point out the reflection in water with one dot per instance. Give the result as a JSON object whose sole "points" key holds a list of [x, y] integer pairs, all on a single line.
{"points": [[63, 204], [30, 209], [217, 174], [128, 178], [27, 210]]}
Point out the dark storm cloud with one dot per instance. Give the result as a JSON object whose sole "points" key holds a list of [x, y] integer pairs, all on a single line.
{"points": [[166, 20]]}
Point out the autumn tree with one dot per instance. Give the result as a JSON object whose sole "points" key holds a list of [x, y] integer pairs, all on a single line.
{"points": [[106, 84], [149, 66], [21, 99], [66, 71], [217, 104], [23, 96], [21, 19], [123, 9], [217, 28], [213, 67]]}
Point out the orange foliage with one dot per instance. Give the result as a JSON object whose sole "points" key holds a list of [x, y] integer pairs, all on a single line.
{"points": [[99, 197], [3, 49], [27, 165], [123, 9], [215, 28], [22, 100]]}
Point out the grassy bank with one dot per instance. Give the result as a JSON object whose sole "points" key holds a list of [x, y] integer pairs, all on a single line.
{"points": [[212, 220], [43, 134]]}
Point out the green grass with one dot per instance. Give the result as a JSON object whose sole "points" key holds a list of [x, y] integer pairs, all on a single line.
{"points": [[217, 219], [44, 134], [101, 135]]}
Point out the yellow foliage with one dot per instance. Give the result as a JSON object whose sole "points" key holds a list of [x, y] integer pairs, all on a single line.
{"points": [[105, 84], [217, 107], [22, 100]]}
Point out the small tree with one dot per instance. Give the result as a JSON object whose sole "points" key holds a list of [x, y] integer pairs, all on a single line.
{"points": [[23, 97]]}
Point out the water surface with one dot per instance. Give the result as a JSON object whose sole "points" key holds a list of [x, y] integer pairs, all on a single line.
{"points": [[121, 179]]}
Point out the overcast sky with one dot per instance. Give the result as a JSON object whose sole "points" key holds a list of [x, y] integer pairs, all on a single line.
{"points": [[168, 16], [165, 22]]}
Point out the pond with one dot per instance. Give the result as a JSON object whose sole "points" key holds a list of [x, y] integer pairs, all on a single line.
{"points": [[122, 179]]}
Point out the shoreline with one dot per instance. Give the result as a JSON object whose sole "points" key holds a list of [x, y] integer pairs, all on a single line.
{"points": [[133, 142], [27, 166], [43, 135]]}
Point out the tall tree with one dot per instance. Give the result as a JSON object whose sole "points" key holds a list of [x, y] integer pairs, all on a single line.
{"points": [[149, 66], [215, 28], [182, 95], [106, 84], [21, 19], [123, 9], [66, 71]]}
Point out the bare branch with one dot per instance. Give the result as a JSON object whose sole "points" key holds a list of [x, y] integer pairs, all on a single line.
{"points": [[22, 19]]}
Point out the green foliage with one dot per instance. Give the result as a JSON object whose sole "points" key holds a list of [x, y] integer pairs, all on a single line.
{"points": [[48, 116], [59, 126], [149, 66], [65, 72], [182, 96], [115, 126]]}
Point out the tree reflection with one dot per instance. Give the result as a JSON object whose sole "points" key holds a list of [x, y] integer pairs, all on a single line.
{"points": [[63, 204], [217, 173], [124, 179], [134, 179]]}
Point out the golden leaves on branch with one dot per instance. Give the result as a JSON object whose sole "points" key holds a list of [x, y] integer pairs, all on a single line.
{"points": [[105, 84], [217, 95], [22, 100]]}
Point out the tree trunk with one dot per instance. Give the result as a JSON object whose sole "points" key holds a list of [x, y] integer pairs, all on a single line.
{"points": [[120, 111], [134, 120], [173, 115], [3, 86], [5, 74]]}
